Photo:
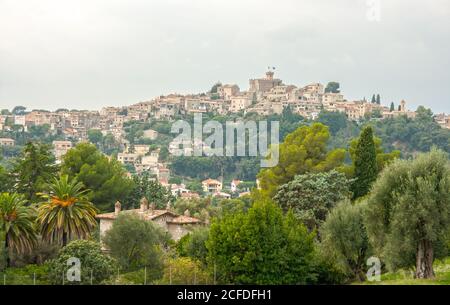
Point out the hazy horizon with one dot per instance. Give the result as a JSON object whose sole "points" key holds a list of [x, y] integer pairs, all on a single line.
{"points": [[90, 54]]}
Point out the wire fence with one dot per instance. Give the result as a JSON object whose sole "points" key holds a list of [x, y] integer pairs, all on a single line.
{"points": [[20, 279], [142, 276]]}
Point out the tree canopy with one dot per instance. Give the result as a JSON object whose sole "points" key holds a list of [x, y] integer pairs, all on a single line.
{"points": [[103, 176], [261, 247], [332, 87], [335, 120], [312, 196], [365, 163], [96, 267], [33, 169], [408, 214], [304, 150], [146, 187], [344, 239], [135, 243]]}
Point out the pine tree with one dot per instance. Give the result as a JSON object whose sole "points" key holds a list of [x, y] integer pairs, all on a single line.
{"points": [[33, 169], [378, 99], [366, 169], [392, 106]]}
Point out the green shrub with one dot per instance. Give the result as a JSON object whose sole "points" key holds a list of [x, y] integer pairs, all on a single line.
{"points": [[136, 243], [184, 271], [344, 238], [96, 267], [261, 247], [194, 245]]}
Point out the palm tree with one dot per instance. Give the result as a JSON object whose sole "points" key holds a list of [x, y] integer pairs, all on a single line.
{"points": [[17, 224], [67, 211]]}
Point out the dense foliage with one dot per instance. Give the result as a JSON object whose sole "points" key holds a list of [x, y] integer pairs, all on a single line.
{"points": [[184, 271], [261, 247], [193, 245], [312, 196], [104, 177], [365, 162], [148, 187], [33, 169], [304, 150], [95, 266], [135, 243], [344, 239], [408, 212], [413, 135]]}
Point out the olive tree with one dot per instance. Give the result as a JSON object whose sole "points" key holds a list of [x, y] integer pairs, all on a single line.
{"points": [[135, 242], [344, 238], [408, 214]]}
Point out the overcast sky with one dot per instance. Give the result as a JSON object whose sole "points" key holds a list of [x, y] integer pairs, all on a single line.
{"points": [[87, 54]]}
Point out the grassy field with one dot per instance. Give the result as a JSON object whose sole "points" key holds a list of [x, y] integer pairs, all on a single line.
{"points": [[406, 277]]}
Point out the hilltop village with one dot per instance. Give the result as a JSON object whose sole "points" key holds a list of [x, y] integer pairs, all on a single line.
{"points": [[265, 96]]}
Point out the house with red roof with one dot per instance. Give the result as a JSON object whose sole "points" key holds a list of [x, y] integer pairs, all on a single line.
{"points": [[176, 225]]}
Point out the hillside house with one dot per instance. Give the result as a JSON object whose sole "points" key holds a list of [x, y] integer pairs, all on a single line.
{"points": [[176, 225], [211, 186]]}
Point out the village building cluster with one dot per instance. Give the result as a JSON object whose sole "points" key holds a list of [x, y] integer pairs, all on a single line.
{"points": [[443, 120], [265, 96]]}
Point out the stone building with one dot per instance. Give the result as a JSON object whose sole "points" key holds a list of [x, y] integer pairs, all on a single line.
{"points": [[240, 102], [126, 158], [443, 120], [6, 142], [228, 91], [402, 111], [264, 84], [176, 225], [211, 186], [60, 148]]}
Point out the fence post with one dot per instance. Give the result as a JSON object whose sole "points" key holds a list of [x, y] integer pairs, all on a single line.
{"points": [[170, 275], [4, 279], [34, 278], [145, 275], [214, 273], [91, 276], [63, 278]]}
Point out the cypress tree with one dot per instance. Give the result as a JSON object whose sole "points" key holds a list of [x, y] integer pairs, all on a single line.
{"points": [[378, 99], [392, 106], [366, 168], [373, 101]]}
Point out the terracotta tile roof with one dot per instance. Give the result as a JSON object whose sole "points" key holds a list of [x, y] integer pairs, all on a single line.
{"points": [[148, 214], [106, 216], [211, 181], [157, 213], [184, 220], [190, 195], [152, 214]]}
